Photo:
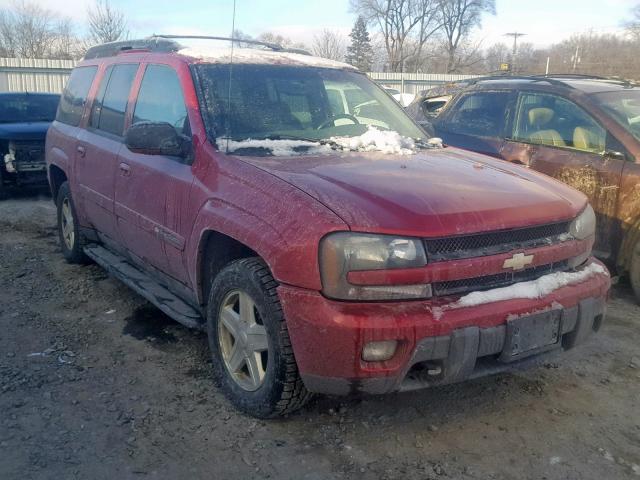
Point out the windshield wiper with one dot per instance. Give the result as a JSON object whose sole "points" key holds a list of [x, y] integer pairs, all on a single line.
{"points": [[321, 141]]}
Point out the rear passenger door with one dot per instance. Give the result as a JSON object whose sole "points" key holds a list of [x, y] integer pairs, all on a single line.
{"points": [[98, 146], [153, 190], [566, 142], [477, 121]]}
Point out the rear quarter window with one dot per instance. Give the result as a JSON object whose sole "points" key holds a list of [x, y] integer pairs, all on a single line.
{"points": [[75, 94]]}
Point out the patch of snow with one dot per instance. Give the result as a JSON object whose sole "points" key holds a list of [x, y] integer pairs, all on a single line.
{"points": [[256, 56], [564, 237], [374, 140], [404, 99], [436, 142], [533, 289], [279, 148]]}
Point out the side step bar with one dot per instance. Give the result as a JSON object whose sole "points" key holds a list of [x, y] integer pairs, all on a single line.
{"points": [[144, 285]]}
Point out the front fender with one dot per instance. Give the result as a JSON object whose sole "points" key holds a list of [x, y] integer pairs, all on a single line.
{"points": [[286, 240]]}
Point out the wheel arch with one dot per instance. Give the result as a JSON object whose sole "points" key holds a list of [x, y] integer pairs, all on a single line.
{"points": [[57, 177], [215, 251]]}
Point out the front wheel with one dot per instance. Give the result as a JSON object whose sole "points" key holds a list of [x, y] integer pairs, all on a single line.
{"points": [[634, 271], [68, 230], [253, 360]]}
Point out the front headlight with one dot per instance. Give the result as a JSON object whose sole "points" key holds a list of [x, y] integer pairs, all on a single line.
{"points": [[584, 226], [344, 252]]}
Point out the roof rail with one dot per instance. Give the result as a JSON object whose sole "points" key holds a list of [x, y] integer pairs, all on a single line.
{"points": [[167, 43], [113, 48], [272, 46]]}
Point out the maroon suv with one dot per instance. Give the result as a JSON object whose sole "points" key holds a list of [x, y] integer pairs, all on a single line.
{"points": [[289, 206]]}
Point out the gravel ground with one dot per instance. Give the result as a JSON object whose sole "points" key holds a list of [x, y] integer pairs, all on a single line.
{"points": [[95, 383]]}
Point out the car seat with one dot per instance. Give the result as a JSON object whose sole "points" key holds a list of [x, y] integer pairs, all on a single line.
{"points": [[586, 139], [540, 117]]}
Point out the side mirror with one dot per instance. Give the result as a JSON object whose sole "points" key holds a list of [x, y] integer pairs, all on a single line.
{"points": [[155, 138], [614, 155]]}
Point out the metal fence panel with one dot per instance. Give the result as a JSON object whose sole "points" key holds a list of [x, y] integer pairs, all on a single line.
{"points": [[415, 82], [34, 74], [47, 75]]}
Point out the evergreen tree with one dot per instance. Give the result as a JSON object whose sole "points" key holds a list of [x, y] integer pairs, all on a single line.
{"points": [[360, 52]]}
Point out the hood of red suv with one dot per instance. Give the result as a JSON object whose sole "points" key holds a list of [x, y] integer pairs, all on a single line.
{"points": [[432, 193]]}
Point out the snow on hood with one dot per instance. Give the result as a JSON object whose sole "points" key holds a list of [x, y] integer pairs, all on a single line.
{"points": [[373, 140], [279, 148], [257, 56]]}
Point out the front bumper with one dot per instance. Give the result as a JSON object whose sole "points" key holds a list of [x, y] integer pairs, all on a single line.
{"points": [[436, 346]]}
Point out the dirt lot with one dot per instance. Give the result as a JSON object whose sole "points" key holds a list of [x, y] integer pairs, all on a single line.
{"points": [[95, 383]]}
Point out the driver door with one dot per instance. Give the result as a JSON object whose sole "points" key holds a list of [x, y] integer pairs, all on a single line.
{"points": [[152, 191]]}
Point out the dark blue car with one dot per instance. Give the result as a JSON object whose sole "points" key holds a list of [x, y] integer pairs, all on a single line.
{"points": [[24, 120]]}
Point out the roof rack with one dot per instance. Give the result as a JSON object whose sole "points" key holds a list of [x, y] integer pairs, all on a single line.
{"points": [[273, 46], [167, 43], [113, 48]]}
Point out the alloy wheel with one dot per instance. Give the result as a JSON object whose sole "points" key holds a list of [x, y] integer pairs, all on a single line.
{"points": [[68, 227], [243, 340]]}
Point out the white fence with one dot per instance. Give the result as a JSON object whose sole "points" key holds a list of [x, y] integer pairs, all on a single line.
{"points": [[34, 74], [44, 75], [414, 82]]}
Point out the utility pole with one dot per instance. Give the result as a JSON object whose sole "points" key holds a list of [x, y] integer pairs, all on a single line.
{"points": [[576, 57], [515, 36]]}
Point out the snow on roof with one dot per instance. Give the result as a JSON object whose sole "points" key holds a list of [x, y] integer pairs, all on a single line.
{"points": [[257, 56]]}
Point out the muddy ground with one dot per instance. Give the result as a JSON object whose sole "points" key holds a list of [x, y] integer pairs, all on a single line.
{"points": [[97, 384]]}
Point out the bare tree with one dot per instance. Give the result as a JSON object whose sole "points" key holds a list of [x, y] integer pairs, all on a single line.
{"points": [[633, 25], [406, 26], [106, 24], [329, 44], [66, 44], [458, 18], [27, 30], [278, 39]]}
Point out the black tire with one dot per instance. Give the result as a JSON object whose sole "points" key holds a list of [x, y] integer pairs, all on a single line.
{"points": [[71, 249], [282, 390], [634, 270]]}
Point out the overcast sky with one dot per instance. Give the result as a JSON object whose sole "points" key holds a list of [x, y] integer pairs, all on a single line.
{"points": [[544, 21]]}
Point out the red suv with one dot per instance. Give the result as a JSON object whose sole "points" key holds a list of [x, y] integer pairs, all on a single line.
{"points": [[289, 206]]}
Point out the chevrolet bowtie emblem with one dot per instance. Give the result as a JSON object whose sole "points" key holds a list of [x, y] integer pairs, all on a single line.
{"points": [[518, 261]]}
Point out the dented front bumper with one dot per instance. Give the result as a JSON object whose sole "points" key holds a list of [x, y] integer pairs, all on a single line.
{"points": [[435, 346]]}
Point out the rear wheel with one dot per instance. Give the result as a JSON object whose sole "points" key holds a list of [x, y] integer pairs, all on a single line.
{"points": [[634, 271], [253, 359], [71, 241]]}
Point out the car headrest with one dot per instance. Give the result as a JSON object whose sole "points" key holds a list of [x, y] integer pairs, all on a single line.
{"points": [[539, 117]]}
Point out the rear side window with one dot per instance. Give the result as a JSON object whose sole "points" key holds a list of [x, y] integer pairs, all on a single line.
{"points": [[480, 114], [75, 95], [160, 99], [110, 105]]}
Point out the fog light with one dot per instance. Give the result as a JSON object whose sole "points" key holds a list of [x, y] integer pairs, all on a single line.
{"points": [[379, 351]]}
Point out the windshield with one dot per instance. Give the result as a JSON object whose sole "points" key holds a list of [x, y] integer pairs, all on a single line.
{"points": [[28, 108], [624, 106], [283, 103]]}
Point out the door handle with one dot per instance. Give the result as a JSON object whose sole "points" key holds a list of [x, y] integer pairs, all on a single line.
{"points": [[81, 150], [125, 169]]}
